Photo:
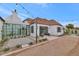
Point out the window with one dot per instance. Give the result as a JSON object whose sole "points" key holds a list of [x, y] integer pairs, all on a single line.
{"points": [[43, 30], [75, 31], [15, 30], [32, 29], [28, 30], [59, 29]]}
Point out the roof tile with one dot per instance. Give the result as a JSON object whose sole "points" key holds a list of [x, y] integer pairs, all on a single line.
{"points": [[42, 21]]}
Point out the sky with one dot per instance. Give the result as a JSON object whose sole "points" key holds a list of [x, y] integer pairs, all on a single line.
{"points": [[64, 13]]}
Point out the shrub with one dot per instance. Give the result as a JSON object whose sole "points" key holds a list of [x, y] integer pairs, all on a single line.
{"points": [[44, 39], [2, 41], [10, 37], [18, 46], [40, 40], [14, 37], [47, 34], [42, 35], [24, 36], [6, 49], [1, 45], [31, 43]]}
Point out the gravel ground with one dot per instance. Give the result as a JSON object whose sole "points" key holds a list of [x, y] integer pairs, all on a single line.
{"points": [[59, 47], [23, 41], [19, 41]]}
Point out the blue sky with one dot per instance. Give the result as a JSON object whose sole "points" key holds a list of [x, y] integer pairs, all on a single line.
{"points": [[64, 13]]}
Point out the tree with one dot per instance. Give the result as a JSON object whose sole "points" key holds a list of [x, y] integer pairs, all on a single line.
{"points": [[70, 26]]}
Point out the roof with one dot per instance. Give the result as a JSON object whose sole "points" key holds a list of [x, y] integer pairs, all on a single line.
{"points": [[27, 19], [42, 21], [2, 19], [14, 19]]}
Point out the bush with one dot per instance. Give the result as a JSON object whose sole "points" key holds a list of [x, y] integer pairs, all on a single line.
{"points": [[6, 49], [24, 36], [2, 41], [31, 43], [40, 40], [44, 39], [47, 34], [42, 35], [18, 46]]}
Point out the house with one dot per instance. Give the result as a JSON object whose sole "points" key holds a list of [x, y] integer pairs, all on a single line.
{"points": [[74, 31], [12, 27], [1, 24], [44, 26]]}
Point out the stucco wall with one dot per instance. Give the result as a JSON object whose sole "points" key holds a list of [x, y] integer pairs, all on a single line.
{"points": [[1, 24], [34, 33], [26, 23], [51, 29], [13, 19]]}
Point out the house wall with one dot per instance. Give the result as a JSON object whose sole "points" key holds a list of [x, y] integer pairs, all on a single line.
{"points": [[78, 31], [13, 19], [51, 29], [38, 29], [1, 24], [26, 23], [75, 30]]}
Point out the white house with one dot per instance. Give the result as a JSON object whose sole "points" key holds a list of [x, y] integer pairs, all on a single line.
{"points": [[44, 26], [13, 27]]}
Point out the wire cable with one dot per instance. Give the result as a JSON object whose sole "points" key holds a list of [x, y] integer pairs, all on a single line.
{"points": [[26, 10]]}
